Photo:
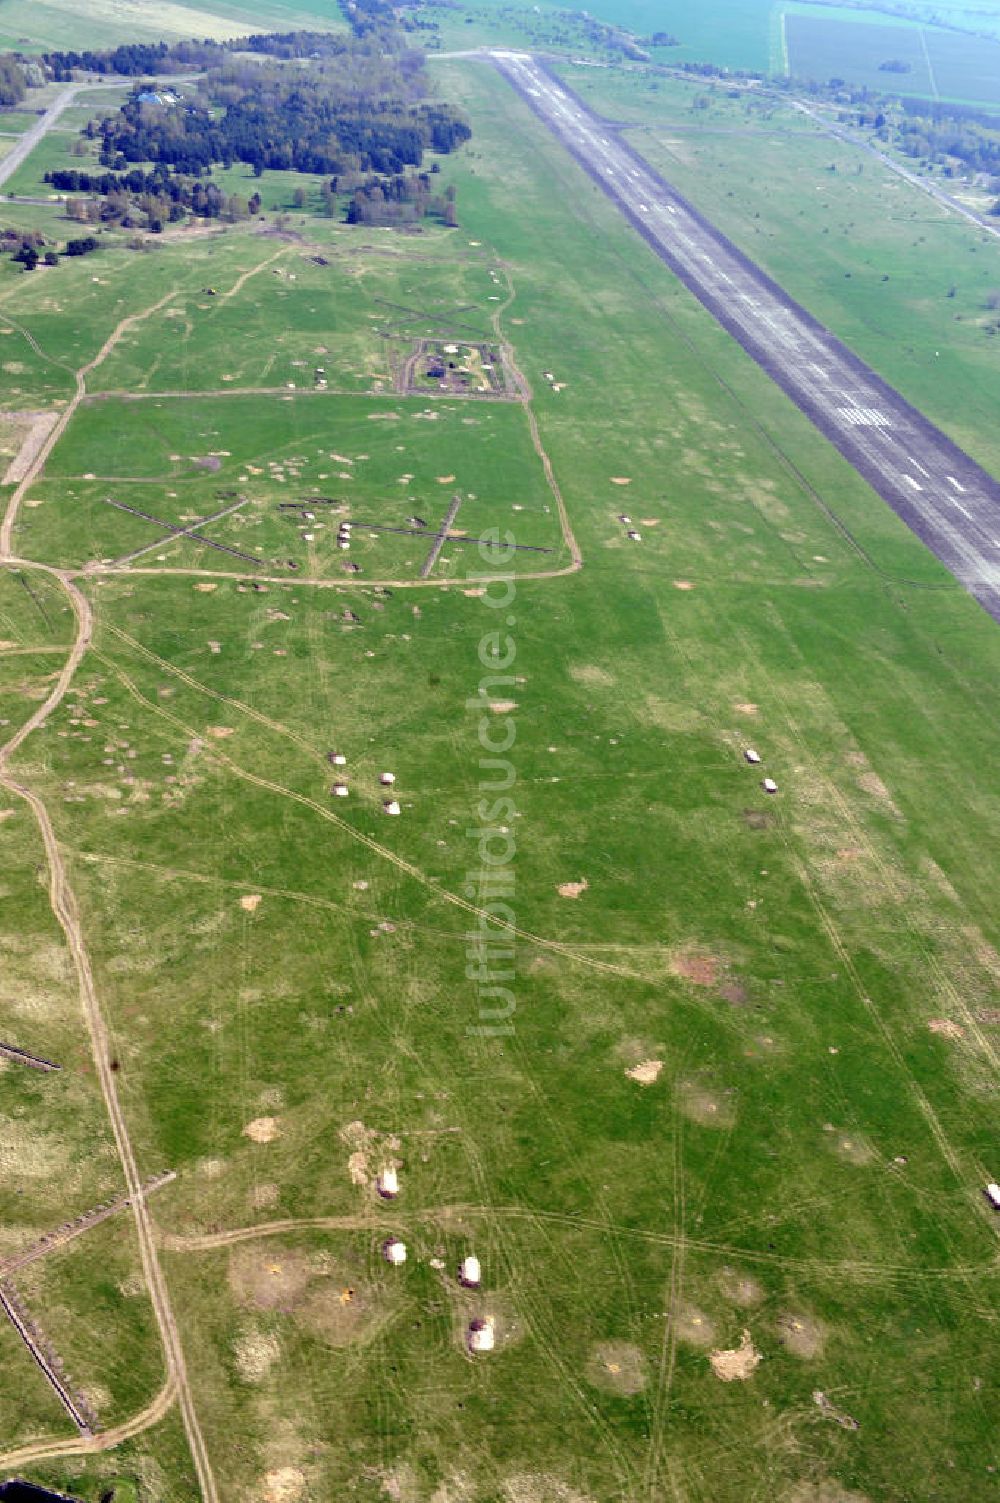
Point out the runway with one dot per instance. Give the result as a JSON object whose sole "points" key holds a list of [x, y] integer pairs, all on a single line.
{"points": [[949, 501]]}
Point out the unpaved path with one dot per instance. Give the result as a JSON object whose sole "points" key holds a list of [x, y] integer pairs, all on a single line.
{"points": [[64, 908], [86, 1445]]}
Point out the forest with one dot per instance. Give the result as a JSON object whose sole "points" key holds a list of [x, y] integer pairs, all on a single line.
{"points": [[359, 109]]}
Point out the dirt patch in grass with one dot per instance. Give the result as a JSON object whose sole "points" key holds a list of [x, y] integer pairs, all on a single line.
{"points": [[31, 429], [617, 1367], [740, 1288], [824, 1491], [869, 782], [251, 902], [344, 1310], [745, 707], [589, 673], [758, 819], [699, 967], [801, 1334], [946, 1028], [735, 993], [702, 1104], [736, 1364], [255, 1353], [262, 1130], [220, 732], [853, 1148], [646, 1072], [264, 1197], [621, 479], [572, 889], [540, 1487], [210, 462], [502, 706], [286, 1484], [683, 584], [271, 1278], [692, 1325], [829, 1410]]}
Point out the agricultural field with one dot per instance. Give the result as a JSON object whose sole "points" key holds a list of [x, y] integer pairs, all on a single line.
{"points": [[715, 1107], [62, 24], [938, 64]]}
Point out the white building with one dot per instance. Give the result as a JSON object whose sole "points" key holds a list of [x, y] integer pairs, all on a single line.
{"points": [[470, 1273]]}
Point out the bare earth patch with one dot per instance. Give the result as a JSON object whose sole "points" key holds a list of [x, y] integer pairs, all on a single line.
{"points": [[697, 966], [647, 1072], [262, 1130], [588, 673], [946, 1028], [540, 1487], [830, 1411], [683, 584], [268, 1278], [572, 889], [692, 1325], [251, 902], [617, 1367], [621, 480], [32, 429], [746, 707], [737, 1363], [220, 732], [502, 706], [824, 1491], [740, 1288], [708, 1107], [801, 1335], [255, 1353], [284, 1485]]}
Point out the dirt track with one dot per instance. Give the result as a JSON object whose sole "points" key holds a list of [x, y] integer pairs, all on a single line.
{"points": [[949, 501]]}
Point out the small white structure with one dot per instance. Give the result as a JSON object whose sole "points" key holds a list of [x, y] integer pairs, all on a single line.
{"points": [[634, 537], [624, 520], [394, 1251], [343, 544], [340, 790], [391, 806], [339, 760], [482, 1335], [752, 757], [769, 785], [470, 1273], [387, 779], [992, 1193], [387, 1183]]}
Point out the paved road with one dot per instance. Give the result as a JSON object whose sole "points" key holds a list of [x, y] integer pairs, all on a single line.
{"points": [[27, 143], [948, 500]]}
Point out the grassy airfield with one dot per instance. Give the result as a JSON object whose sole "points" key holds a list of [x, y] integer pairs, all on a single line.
{"points": [[809, 980]]}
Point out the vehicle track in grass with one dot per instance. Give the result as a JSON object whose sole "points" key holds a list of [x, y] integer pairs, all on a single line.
{"points": [[64, 908]]}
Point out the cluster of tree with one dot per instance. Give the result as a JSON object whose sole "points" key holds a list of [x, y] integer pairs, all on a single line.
{"points": [[359, 109], [140, 59], [12, 81], [27, 248], [401, 200], [955, 144]]}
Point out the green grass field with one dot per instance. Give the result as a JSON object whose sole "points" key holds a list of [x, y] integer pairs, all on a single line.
{"points": [[904, 282], [806, 983]]}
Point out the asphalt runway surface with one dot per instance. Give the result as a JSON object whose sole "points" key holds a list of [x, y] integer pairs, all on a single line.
{"points": [[949, 501]]}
